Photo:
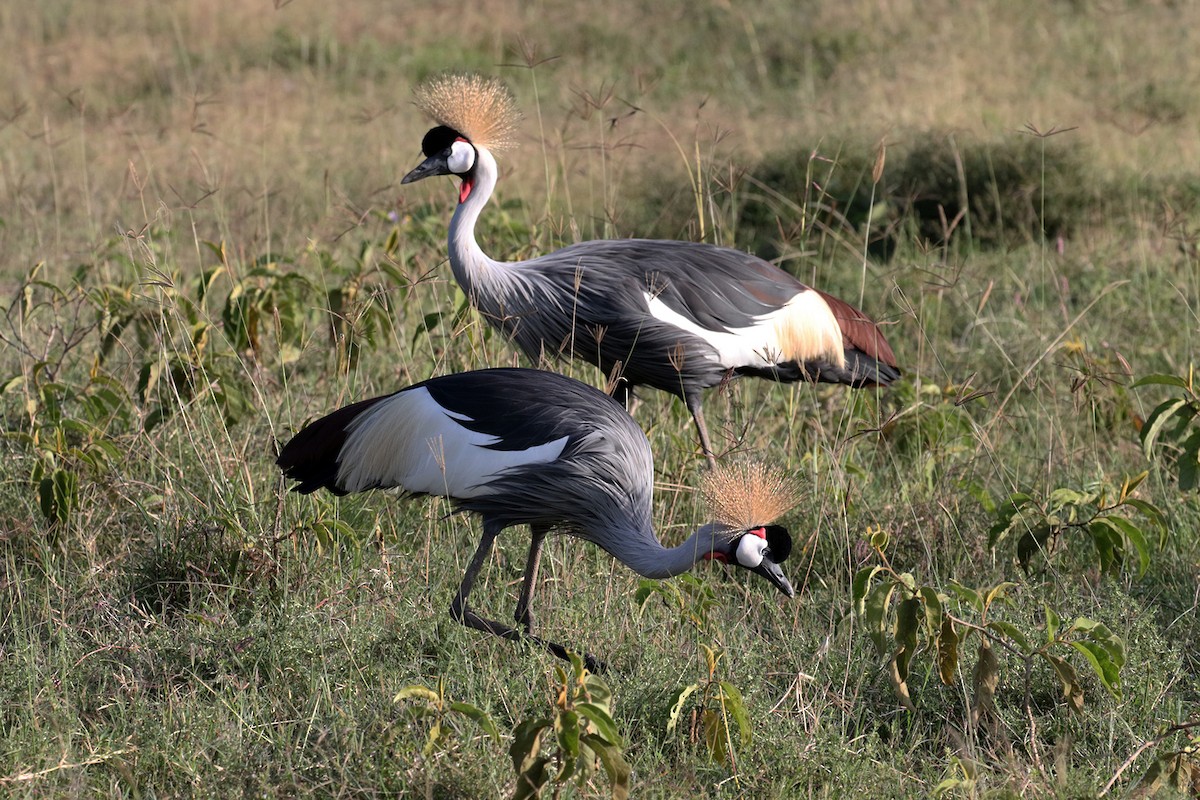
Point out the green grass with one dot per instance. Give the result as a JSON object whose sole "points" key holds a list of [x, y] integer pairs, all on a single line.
{"points": [[194, 208]]}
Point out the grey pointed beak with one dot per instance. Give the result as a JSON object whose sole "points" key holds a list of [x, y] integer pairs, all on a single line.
{"points": [[434, 165], [771, 571]]}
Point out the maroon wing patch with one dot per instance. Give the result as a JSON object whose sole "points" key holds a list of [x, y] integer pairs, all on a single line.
{"points": [[860, 331]]}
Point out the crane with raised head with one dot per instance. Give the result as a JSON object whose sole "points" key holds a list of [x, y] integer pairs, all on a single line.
{"points": [[675, 315], [524, 446]]}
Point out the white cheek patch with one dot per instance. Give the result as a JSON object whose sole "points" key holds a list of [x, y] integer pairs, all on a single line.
{"points": [[750, 550], [462, 157]]}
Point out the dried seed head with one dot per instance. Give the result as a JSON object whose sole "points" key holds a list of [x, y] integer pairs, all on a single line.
{"points": [[481, 109], [748, 494]]}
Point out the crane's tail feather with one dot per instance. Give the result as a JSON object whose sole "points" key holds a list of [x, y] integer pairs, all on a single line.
{"points": [[311, 457], [861, 371], [861, 333]]}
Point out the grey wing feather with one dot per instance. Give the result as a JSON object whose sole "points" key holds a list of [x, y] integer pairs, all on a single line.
{"points": [[603, 480], [588, 301]]}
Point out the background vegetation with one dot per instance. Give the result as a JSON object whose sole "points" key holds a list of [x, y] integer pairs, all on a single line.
{"points": [[206, 244]]}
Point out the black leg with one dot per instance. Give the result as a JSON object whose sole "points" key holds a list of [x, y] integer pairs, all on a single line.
{"points": [[523, 615], [693, 404], [461, 612]]}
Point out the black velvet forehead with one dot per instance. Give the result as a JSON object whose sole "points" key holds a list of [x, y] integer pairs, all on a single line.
{"points": [[438, 139], [779, 542]]}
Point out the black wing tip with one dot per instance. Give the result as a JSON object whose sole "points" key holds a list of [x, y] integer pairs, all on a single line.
{"points": [[309, 475]]}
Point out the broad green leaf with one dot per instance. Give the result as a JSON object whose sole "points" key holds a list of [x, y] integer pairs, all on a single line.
{"points": [[1063, 496], [1053, 623], [900, 686], [875, 616], [1006, 516], [907, 614], [605, 727], [1146, 507], [480, 717], [947, 652], [614, 764], [646, 589], [1134, 536], [860, 585], [677, 706], [731, 700], [598, 692], [1102, 664], [1103, 636], [1032, 542], [1072, 692], [435, 735], [933, 610], [1013, 633], [577, 668], [879, 539], [711, 657], [1189, 463], [997, 592], [1109, 544], [716, 735], [527, 744], [967, 594], [1157, 420], [531, 780], [1161, 380], [1131, 484]]}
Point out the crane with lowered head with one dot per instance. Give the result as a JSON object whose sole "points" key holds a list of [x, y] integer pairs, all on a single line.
{"points": [[524, 446], [674, 315]]}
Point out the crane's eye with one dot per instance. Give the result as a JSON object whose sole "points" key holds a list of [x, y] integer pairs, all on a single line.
{"points": [[462, 157], [751, 550]]}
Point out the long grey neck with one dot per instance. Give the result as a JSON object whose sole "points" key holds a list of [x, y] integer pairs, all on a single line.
{"points": [[646, 556]]}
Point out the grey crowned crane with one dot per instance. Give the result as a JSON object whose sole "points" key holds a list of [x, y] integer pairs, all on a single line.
{"points": [[678, 316], [524, 446]]}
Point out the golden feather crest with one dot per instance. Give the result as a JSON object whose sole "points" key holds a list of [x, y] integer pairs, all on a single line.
{"points": [[481, 109], [748, 494]]}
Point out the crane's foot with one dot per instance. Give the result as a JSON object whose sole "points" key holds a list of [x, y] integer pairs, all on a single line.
{"points": [[463, 614], [590, 662], [525, 620]]}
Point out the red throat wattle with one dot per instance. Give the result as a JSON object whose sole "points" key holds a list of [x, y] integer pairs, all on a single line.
{"points": [[465, 190]]}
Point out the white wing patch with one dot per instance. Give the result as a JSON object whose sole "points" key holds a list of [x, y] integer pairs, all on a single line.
{"points": [[411, 442], [803, 329]]}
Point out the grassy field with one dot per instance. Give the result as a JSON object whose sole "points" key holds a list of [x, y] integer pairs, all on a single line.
{"points": [[206, 245]]}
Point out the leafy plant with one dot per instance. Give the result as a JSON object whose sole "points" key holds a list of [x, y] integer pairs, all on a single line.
{"points": [[904, 618], [1173, 427], [584, 738], [432, 704], [718, 713], [717, 702], [1100, 510], [1176, 771], [688, 596], [67, 422]]}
